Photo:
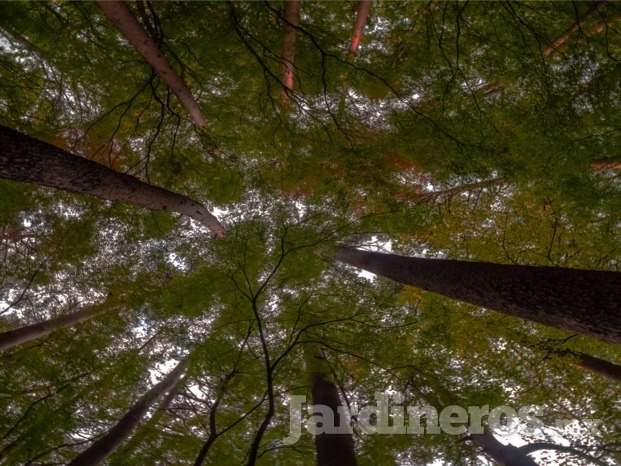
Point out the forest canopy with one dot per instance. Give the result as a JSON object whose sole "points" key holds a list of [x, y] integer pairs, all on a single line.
{"points": [[190, 193]]}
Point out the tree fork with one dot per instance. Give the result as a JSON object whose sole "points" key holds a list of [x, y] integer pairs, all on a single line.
{"points": [[29, 160], [123, 19], [587, 302]]}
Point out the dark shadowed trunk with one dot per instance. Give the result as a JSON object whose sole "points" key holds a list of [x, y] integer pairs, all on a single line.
{"points": [[123, 19], [26, 159], [587, 302], [503, 455], [32, 332], [291, 17], [105, 446], [332, 449]]}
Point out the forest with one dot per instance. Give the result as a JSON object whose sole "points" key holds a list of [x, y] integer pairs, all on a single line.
{"points": [[329, 233]]}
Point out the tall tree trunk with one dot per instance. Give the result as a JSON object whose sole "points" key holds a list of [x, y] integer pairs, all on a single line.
{"points": [[587, 302], [364, 6], [332, 449], [26, 159], [291, 19], [503, 455], [105, 446], [32, 332], [590, 363], [123, 19]]}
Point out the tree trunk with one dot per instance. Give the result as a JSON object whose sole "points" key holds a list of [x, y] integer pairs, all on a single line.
{"points": [[123, 19], [503, 455], [594, 9], [105, 446], [587, 302], [332, 449], [26, 159], [291, 17], [364, 6], [32, 332], [591, 363]]}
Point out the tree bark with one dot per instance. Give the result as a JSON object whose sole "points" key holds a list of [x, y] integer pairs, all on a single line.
{"points": [[590, 363], [105, 446], [291, 17], [332, 449], [364, 6], [574, 27], [123, 19], [587, 302], [29, 160], [503, 455], [32, 332]]}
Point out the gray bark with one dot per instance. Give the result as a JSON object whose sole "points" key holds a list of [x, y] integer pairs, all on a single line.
{"points": [[32, 332], [105, 446], [29, 160], [587, 302]]}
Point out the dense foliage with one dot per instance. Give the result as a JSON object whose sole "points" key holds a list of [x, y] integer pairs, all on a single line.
{"points": [[470, 130]]}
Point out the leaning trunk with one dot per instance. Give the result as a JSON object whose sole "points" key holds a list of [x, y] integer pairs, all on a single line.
{"points": [[332, 449], [104, 447], [32, 332], [503, 455], [587, 302], [121, 16], [591, 363], [26, 159]]}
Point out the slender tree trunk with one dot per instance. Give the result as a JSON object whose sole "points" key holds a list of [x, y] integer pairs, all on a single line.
{"points": [[123, 19], [503, 455], [32, 332], [332, 449], [587, 302], [364, 6], [291, 17], [610, 163], [105, 446], [593, 10], [26, 159]]}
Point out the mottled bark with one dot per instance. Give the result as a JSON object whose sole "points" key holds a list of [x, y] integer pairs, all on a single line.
{"points": [[123, 19], [105, 446], [29, 160], [291, 17], [332, 449], [503, 455], [587, 302], [364, 6], [32, 332]]}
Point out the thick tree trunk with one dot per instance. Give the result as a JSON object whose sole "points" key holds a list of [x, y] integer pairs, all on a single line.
{"points": [[26, 159], [32, 332], [503, 455], [105, 446], [291, 17], [332, 449], [587, 302], [121, 16], [364, 6]]}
